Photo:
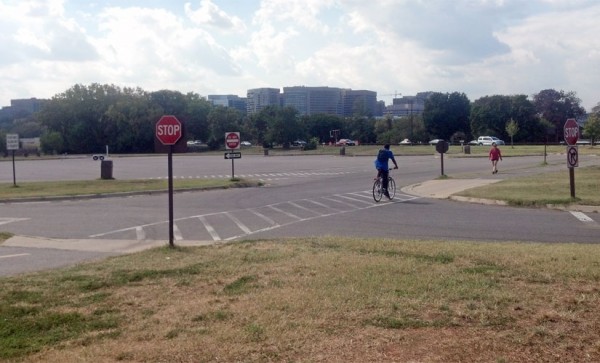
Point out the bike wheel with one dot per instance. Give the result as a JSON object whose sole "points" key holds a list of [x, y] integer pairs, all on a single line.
{"points": [[391, 187], [377, 192]]}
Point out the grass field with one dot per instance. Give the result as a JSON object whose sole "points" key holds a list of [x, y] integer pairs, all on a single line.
{"points": [[306, 300], [323, 299], [543, 189]]}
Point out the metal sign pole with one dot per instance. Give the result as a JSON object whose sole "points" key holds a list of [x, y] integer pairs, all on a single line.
{"points": [[232, 170], [572, 181], [170, 167], [14, 170]]}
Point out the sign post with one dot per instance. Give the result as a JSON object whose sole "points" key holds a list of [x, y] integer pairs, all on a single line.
{"points": [[571, 134], [12, 143], [232, 142], [442, 147], [168, 132]]}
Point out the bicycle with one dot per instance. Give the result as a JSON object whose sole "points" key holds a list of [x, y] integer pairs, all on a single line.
{"points": [[378, 188]]}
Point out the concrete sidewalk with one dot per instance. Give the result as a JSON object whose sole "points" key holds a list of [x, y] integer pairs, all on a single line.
{"points": [[444, 188]]}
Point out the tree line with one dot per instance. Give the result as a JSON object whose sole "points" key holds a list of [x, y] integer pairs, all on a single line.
{"points": [[84, 119]]}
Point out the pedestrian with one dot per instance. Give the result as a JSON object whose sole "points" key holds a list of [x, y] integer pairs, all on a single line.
{"points": [[495, 155], [381, 164]]}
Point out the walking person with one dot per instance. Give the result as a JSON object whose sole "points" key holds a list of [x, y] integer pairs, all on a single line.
{"points": [[495, 155], [381, 164]]}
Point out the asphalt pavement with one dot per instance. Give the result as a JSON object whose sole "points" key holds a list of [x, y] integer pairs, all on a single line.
{"points": [[438, 189]]}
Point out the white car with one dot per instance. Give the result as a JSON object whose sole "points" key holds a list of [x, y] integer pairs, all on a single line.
{"points": [[489, 140], [246, 143], [405, 142]]}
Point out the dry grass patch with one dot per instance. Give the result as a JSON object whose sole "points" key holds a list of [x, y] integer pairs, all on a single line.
{"points": [[321, 299]]}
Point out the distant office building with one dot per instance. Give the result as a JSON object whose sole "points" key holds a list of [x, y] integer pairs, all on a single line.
{"points": [[232, 101], [408, 105], [22, 107], [314, 100], [359, 101], [259, 98]]}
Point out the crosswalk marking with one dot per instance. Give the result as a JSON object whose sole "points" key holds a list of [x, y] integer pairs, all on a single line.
{"points": [[264, 217], [215, 236], [219, 229], [15, 255], [10, 220], [581, 216], [284, 212], [239, 223]]}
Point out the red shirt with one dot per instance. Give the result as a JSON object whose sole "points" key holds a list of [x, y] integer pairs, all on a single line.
{"points": [[495, 154]]}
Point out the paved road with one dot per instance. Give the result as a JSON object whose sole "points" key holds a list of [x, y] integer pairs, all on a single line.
{"points": [[303, 196]]}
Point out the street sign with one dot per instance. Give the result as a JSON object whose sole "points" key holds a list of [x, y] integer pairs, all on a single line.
{"points": [[168, 130], [12, 141], [571, 131], [232, 140], [572, 156], [233, 155], [442, 147]]}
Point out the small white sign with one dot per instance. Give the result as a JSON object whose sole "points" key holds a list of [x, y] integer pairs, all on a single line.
{"points": [[12, 141]]}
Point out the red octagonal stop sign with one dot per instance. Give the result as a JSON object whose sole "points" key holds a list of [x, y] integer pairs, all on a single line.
{"points": [[232, 140], [168, 130], [571, 131]]}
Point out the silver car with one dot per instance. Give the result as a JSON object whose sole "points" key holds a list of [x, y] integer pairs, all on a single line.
{"points": [[489, 140]]}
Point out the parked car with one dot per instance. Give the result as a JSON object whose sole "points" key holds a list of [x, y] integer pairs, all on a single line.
{"points": [[345, 142], [435, 141], [488, 140], [405, 142], [299, 143], [194, 143], [246, 143], [473, 142]]}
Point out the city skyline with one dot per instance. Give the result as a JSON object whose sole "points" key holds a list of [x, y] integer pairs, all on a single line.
{"points": [[477, 47]]}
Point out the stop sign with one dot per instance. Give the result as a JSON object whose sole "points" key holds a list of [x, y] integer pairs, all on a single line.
{"points": [[232, 140], [571, 131], [168, 130]]}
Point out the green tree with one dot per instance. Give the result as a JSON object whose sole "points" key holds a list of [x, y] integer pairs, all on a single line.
{"points": [[221, 120], [446, 114], [196, 122], [489, 115], [320, 126], [557, 107], [52, 143], [512, 127], [592, 127]]}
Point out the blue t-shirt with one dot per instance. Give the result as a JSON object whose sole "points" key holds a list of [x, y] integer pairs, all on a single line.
{"points": [[383, 165]]}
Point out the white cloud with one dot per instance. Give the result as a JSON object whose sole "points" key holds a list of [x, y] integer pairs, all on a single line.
{"points": [[480, 47], [212, 15]]}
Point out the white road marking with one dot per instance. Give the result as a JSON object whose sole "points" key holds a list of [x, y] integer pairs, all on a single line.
{"points": [[304, 208], [10, 220], [177, 233], [17, 255], [140, 233], [284, 212], [581, 216], [264, 217], [339, 199], [215, 236], [239, 223]]}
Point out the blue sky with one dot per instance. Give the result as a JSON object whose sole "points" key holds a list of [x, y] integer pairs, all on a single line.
{"points": [[479, 47]]}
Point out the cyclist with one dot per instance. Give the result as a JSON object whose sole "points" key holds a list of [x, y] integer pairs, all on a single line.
{"points": [[381, 164]]}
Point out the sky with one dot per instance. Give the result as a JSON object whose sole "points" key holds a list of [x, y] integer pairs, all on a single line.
{"points": [[394, 47]]}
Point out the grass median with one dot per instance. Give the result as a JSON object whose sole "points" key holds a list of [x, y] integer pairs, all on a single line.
{"points": [[314, 299], [543, 189], [100, 187]]}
